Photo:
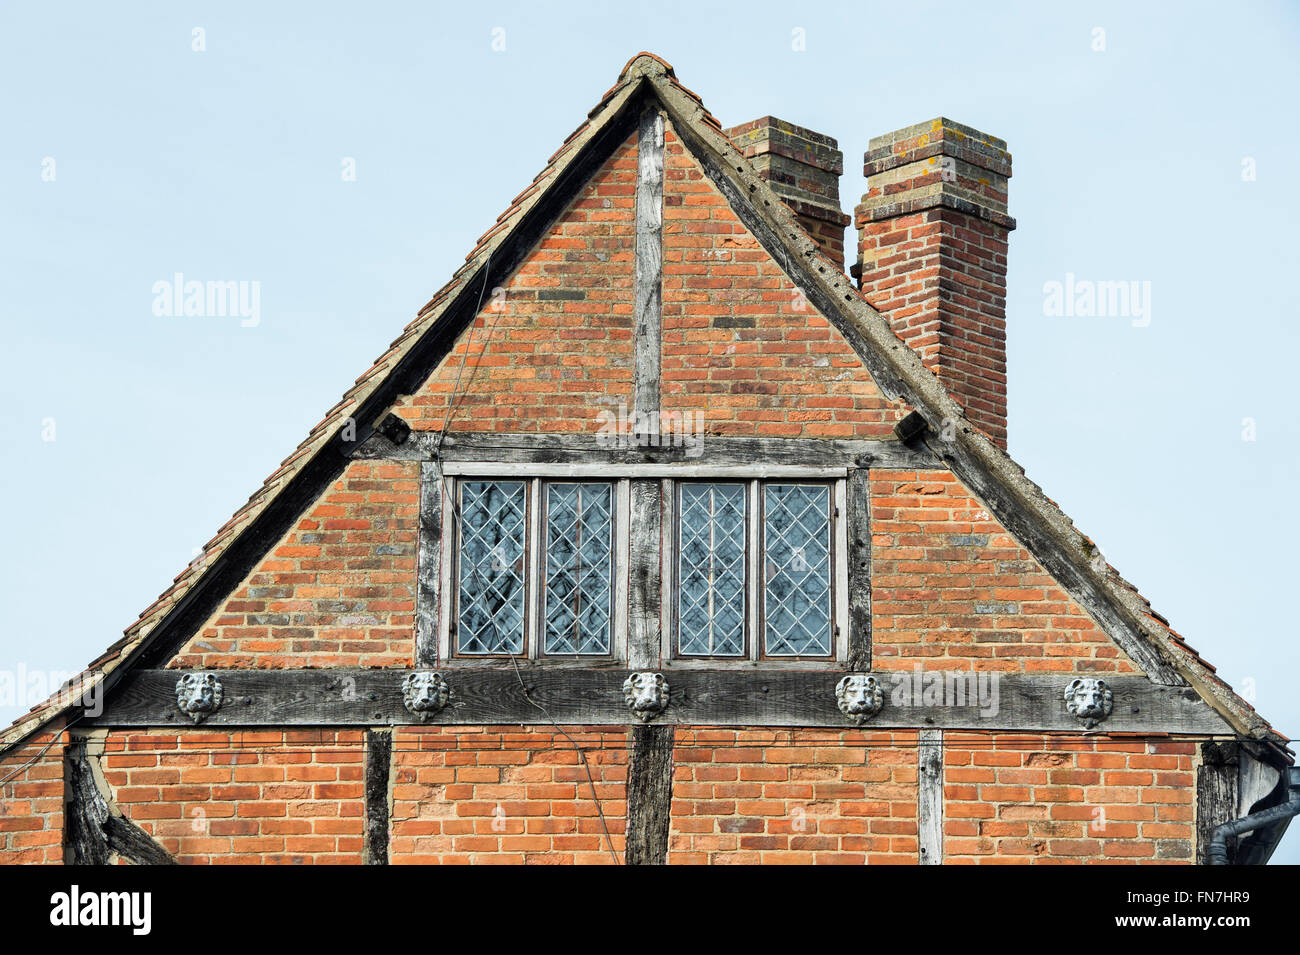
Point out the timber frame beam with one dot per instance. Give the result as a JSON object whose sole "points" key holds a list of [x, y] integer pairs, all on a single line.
{"points": [[741, 696], [95, 828], [613, 449]]}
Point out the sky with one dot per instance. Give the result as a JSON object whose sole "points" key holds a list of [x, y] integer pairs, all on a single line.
{"points": [[341, 158]]}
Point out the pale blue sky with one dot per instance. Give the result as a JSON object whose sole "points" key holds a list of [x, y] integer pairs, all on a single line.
{"points": [[226, 165]]}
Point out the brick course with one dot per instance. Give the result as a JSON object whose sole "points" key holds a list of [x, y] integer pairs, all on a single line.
{"points": [[507, 794], [1048, 799], [952, 589], [338, 590], [265, 797], [793, 797], [31, 802]]}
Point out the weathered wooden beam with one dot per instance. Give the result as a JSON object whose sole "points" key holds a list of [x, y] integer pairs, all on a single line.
{"points": [[648, 276], [429, 573], [1216, 795], [929, 797], [602, 449], [649, 795], [84, 841], [732, 697], [644, 596], [131, 842], [95, 827], [858, 519], [379, 767]]}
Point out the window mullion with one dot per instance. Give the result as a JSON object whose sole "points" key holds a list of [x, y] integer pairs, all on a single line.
{"points": [[622, 516], [754, 571], [534, 545], [450, 579], [713, 569], [669, 568]]}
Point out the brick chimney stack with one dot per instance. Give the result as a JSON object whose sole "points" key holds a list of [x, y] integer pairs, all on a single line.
{"points": [[804, 169], [932, 256]]}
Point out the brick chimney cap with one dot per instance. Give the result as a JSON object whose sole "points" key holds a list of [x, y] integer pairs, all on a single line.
{"points": [[790, 129], [937, 137], [646, 64], [776, 137]]}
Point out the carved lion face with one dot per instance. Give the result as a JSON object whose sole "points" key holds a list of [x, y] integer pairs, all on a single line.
{"points": [[425, 692], [646, 694], [198, 694], [859, 696], [1090, 699]]}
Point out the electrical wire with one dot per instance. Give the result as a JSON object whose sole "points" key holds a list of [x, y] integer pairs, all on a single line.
{"points": [[469, 340], [452, 401], [44, 749], [595, 797]]}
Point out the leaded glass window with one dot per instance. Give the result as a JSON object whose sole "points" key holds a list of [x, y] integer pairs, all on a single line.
{"points": [[492, 570], [711, 570], [797, 585], [579, 532]]}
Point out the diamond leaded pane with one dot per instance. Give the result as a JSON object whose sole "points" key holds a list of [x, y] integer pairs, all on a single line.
{"points": [[797, 590], [711, 570], [490, 598], [578, 568]]}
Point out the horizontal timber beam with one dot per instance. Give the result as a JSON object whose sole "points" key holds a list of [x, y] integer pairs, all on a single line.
{"points": [[724, 697], [703, 450]]}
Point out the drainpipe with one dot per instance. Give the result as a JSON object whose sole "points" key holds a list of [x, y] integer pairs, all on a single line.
{"points": [[1218, 852]]}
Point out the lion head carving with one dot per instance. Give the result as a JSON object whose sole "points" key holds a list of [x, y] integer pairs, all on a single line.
{"points": [[646, 694], [1090, 699], [425, 692], [198, 695], [859, 697]]}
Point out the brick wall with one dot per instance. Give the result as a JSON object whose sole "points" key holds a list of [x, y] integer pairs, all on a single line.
{"points": [[31, 802], [293, 797], [793, 796], [338, 590], [740, 342], [1050, 800], [507, 794], [741, 345], [556, 349], [952, 589]]}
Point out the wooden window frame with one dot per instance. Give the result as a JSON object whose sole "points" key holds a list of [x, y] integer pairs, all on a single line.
{"points": [[755, 654], [536, 476], [672, 531], [449, 652]]}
